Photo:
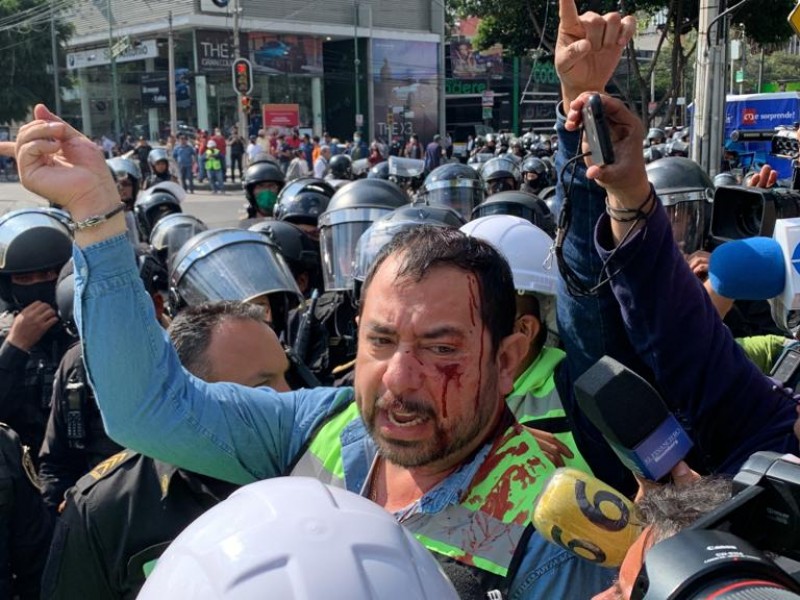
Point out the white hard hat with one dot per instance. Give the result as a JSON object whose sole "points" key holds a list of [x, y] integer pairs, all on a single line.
{"points": [[525, 247], [295, 537], [527, 250], [211, 144]]}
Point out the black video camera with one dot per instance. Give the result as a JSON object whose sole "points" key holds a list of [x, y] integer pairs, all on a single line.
{"points": [[722, 555], [740, 212]]}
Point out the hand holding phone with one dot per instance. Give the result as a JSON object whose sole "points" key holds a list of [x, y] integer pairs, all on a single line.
{"points": [[597, 133]]}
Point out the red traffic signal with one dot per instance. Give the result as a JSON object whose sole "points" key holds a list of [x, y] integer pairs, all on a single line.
{"points": [[242, 76]]}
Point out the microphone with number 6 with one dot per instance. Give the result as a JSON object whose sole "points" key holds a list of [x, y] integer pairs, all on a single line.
{"points": [[633, 419], [582, 514]]}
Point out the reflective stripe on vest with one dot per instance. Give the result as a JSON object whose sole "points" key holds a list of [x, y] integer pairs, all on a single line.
{"points": [[482, 531], [535, 398]]}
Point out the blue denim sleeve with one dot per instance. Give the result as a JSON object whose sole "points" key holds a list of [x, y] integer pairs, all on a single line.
{"points": [[730, 408], [151, 404], [547, 571], [590, 326]]}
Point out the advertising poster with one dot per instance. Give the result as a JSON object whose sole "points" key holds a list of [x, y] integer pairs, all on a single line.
{"points": [[405, 89], [286, 54], [281, 117], [468, 63]]}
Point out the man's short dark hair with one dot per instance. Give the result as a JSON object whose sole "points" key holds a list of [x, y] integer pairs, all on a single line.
{"points": [[192, 329], [426, 247], [669, 509]]}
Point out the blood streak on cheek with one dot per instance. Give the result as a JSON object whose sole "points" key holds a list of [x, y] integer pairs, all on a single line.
{"points": [[449, 373]]}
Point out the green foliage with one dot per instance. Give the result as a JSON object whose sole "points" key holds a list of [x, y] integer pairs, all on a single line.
{"points": [[765, 21], [26, 56]]}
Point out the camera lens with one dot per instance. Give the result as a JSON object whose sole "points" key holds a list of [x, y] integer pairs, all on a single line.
{"points": [[746, 589]]}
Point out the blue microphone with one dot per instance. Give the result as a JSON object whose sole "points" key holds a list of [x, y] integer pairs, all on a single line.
{"points": [[748, 269], [633, 419]]}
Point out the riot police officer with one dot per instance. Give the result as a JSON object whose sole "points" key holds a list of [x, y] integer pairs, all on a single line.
{"points": [[328, 323], [171, 232], [75, 440], [535, 176], [457, 186], [253, 269], [25, 524], [301, 203], [500, 174], [158, 159], [34, 245], [518, 204], [153, 205], [128, 175], [340, 170], [262, 183], [298, 249]]}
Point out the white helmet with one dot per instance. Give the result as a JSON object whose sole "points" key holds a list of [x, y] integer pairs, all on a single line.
{"points": [[527, 250], [295, 537], [211, 144]]}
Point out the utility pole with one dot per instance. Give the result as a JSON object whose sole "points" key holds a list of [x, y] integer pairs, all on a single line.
{"points": [[356, 64], [113, 57], [173, 100], [54, 50], [709, 101]]}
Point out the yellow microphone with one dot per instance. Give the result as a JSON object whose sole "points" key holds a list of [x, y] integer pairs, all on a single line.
{"points": [[589, 518]]}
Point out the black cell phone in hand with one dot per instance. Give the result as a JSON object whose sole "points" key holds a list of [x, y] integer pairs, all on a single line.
{"points": [[596, 130]]}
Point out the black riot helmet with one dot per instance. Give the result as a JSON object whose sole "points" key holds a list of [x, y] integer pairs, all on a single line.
{"points": [[261, 171], [457, 186], [384, 229], [171, 232], [686, 192], [233, 264], [31, 240], [303, 200], [538, 167], [299, 250], [352, 209], [655, 136], [500, 174], [126, 171], [518, 204], [379, 171], [150, 207], [340, 167]]}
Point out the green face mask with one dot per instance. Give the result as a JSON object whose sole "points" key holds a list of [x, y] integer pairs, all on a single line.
{"points": [[265, 200]]}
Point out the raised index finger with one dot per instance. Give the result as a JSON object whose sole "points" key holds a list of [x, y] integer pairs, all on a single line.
{"points": [[568, 13]]}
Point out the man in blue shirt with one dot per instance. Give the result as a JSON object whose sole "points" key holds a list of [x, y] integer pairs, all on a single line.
{"points": [[186, 157], [433, 154]]}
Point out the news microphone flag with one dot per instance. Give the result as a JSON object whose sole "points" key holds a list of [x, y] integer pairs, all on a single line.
{"points": [[589, 518], [748, 269], [633, 419]]}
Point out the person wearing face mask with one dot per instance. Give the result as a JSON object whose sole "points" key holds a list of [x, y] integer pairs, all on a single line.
{"points": [[262, 182], [34, 245], [500, 174]]}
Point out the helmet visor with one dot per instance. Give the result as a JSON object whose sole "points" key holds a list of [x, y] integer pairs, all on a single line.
{"points": [[239, 271], [688, 221], [462, 195], [170, 237]]}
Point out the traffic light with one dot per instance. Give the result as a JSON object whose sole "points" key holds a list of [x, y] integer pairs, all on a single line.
{"points": [[242, 76], [246, 105]]}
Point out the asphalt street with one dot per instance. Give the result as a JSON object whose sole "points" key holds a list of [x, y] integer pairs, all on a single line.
{"points": [[214, 210]]}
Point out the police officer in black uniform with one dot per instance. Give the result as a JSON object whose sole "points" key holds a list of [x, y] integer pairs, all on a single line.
{"points": [[25, 524], [518, 204], [120, 517], [75, 440], [323, 332], [34, 245], [263, 181], [535, 176], [454, 185], [301, 203]]}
